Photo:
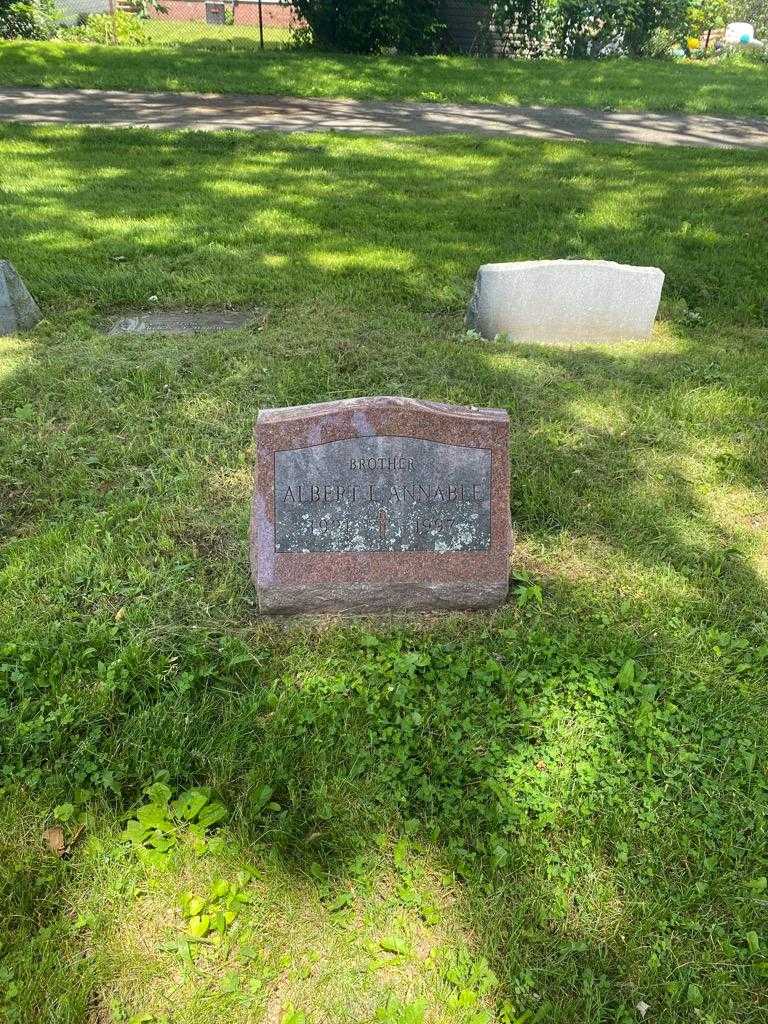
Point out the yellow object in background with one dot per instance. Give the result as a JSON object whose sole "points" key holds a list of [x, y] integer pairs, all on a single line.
{"points": [[694, 44]]}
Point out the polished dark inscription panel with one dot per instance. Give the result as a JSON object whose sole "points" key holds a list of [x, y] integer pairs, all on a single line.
{"points": [[382, 494]]}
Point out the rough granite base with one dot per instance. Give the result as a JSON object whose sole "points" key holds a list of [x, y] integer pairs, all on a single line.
{"points": [[368, 598]]}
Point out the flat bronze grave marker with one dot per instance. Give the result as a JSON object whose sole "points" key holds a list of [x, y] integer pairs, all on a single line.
{"points": [[182, 322]]}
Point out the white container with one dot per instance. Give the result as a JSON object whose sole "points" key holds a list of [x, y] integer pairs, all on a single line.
{"points": [[735, 32]]}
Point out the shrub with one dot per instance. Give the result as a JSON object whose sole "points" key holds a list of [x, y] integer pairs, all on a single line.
{"points": [[588, 28], [524, 26], [592, 28], [662, 44], [31, 19], [706, 15], [122, 29], [744, 56], [369, 26]]}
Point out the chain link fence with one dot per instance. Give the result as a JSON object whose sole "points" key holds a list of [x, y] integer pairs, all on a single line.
{"points": [[468, 25], [475, 27], [260, 24]]}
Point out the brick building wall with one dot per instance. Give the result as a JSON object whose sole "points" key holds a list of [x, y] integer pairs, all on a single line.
{"points": [[245, 12], [274, 15], [179, 10]]}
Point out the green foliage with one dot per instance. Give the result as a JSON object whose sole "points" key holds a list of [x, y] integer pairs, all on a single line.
{"points": [[526, 28], [397, 1012], [370, 26], [521, 28], [154, 828], [471, 980], [704, 15], [119, 29], [754, 12], [583, 28], [533, 698], [27, 19], [395, 944], [292, 1015], [208, 918], [408, 890]]}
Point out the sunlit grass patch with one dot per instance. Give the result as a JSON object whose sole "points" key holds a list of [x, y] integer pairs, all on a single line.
{"points": [[216, 929], [12, 353]]}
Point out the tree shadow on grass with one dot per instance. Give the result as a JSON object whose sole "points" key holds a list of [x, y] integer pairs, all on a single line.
{"points": [[241, 212], [583, 803]]}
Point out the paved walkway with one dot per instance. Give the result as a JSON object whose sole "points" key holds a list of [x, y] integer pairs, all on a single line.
{"points": [[288, 114]]}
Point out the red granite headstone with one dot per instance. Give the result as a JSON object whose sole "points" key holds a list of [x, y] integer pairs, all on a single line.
{"points": [[380, 503]]}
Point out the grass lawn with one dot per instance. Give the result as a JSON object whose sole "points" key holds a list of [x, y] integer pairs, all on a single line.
{"points": [[554, 812], [200, 66]]}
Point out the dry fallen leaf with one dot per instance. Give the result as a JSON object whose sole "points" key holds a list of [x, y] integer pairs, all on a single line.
{"points": [[54, 840]]}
